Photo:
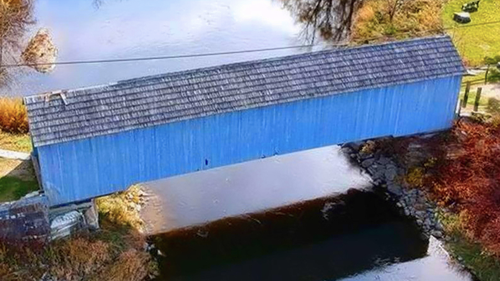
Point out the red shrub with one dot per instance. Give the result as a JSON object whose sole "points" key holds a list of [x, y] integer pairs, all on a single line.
{"points": [[470, 180]]}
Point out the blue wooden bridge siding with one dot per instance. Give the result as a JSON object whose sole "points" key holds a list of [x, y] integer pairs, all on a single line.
{"points": [[106, 164]]}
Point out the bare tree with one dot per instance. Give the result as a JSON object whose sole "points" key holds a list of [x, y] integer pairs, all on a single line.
{"points": [[394, 6], [15, 17], [331, 19]]}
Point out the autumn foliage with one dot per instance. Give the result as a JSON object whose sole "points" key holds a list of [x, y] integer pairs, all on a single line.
{"points": [[467, 179], [108, 255], [381, 20], [13, 115]]}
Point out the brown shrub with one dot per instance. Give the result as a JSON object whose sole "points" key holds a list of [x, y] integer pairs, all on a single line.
{"points": [[114, 253], [120, 208], [414, 18], [470, 180], [75, 258], [13, 115], [130, 266]]}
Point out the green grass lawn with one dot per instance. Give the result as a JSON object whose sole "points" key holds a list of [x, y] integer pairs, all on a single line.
{"points": [[12, 188], [474, 43], [16, 142], [471, 254]]}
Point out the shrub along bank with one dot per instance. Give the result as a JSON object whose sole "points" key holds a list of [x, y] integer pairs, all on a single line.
{"points": [[115, 253], [462, 175]]}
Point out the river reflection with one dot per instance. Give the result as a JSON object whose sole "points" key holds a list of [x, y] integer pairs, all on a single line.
{"points": [[249, 187], [356, 236], [134, 28], [307, 216]]}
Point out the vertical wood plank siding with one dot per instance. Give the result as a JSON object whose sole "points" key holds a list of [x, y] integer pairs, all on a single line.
{"points": [[86, 168]]}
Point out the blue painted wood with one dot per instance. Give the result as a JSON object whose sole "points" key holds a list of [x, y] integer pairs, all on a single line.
{"points": [[82, 169]]}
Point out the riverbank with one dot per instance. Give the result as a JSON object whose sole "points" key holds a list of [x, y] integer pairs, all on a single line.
{"points": [[117, 251], [439, 181]]}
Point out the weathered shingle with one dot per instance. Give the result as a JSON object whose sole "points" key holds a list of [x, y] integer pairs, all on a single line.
{"points": [[160, 99]]}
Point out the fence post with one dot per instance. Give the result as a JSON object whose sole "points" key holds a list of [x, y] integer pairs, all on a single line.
{"points": [[486, 75], [466, 95], [478, 97]]}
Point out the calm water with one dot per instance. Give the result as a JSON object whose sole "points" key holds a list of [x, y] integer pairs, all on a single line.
{"points": [[135, 28], [356, 236], [249, 187], [307, 216]]}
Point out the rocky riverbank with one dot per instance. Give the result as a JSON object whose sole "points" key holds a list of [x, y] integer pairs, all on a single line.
{"points": [[389, 174]]}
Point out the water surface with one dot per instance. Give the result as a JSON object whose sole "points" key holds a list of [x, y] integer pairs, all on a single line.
{"points": [[135, 28], [355, 236], [249, 187]]}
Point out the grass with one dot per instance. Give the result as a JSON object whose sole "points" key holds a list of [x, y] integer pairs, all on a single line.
{"points": [[476, 42], [483, 101], [12, 188], [16, 142], [471, 254], [476, 79], [16, 179]]}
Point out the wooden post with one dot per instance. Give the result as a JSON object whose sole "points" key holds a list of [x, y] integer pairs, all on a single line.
{"points": [[486, 75], [466, 95], [478, 97]]}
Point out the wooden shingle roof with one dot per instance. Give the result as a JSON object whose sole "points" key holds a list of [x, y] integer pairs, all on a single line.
{"points": [[143, 102]]}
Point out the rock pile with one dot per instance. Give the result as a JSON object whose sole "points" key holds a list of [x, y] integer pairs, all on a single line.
{"points": [[388, 174]]}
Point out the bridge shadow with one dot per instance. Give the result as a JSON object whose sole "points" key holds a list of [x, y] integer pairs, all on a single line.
{"points": [[17, 178], [322, 239]]}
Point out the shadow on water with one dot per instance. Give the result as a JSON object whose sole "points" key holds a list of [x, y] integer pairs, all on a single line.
{"points": [[322, 239]]}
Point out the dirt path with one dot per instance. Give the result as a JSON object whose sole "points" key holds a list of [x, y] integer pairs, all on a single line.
{"points": [[489, 90], [16, 168]]}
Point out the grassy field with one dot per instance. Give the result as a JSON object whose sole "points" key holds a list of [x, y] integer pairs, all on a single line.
{"points": [[16, 179], [17, 142], [12, 188], [476, 42]]}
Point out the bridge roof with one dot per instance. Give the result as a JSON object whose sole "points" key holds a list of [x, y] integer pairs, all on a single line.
{"points": [[150, 101]]}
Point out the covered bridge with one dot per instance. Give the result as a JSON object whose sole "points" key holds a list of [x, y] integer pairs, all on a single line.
{"points": [[99, 140]]}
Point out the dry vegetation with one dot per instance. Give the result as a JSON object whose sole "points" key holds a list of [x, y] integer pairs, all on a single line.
{"points": [[121, 208], [460, 170], [468, 179], [15, 142], [13, 116], [382, 20], [114, 253]]}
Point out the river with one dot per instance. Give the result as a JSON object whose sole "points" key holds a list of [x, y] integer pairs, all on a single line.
{"points": [[310, 215], [82, 30]]}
